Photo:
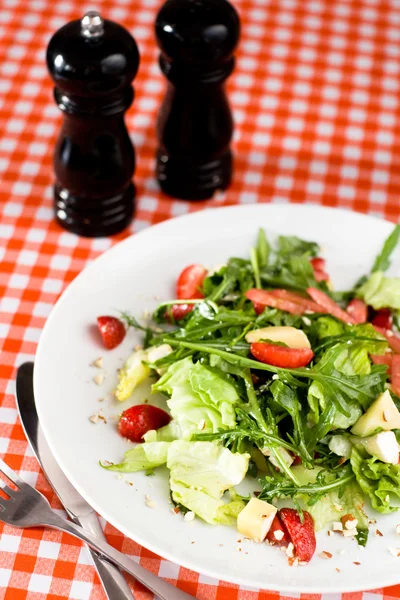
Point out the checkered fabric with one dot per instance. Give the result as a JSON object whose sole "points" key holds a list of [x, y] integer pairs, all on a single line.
{"points": [[317, 104]]}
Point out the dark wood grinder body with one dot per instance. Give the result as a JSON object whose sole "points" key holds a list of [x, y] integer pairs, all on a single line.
{"points": [[197, 39], [92, 63]]}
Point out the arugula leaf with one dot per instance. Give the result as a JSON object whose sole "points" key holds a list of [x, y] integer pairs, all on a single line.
{"points": [[296, 273], [255, 267], [382, 261], [263, 249], [289, 400], [291, 244]]}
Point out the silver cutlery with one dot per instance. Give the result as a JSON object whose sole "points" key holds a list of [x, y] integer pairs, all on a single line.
{"points": [[114, 584], [26, 507]]}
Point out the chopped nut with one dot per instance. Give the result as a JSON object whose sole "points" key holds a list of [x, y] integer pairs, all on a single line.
{"points": [[337, 526], [338, 570], [96, 417], [279, 535], [98, 363], [372, 521], [290, 550], [356, 563], [330, 532], [394, 551], [350, 532], [378, 533], [398, 529], [325, 554], [149, 502], [338, 507], [100, 399], [189, 516], [129, 483], [349, 521], [176, 510], [386, 415], [201, 425], [293, 562], [303, 563], [98, 379], [238, 549]]}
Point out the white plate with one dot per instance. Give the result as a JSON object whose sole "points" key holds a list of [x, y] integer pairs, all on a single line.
{"points": [[134, 275]]}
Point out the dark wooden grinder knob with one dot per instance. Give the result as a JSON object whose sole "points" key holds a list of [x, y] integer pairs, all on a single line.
{"points": [[197, 39], [92, 63]]}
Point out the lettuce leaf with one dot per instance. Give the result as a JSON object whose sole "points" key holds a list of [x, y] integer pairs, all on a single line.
{"points": [[335, 504], [380, 291], [200, 474], [142, 457], [379, 481], [199, 395]]}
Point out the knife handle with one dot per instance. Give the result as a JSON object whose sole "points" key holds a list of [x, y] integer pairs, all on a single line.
{"points": [[114, 583]]}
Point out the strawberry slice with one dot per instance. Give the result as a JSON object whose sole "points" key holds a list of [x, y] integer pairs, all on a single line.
{"points": [[392, 339], [138, 420], [396, 374], [190, 281], [318, 265], [358, 310], [383, 319], [330, 306], [280, 356], [264, 298], [306, 303], [383, 359], [112, 331], [301, 534], [277, 533], [188, 288]]}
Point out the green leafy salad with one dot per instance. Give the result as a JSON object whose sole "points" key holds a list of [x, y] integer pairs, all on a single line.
{"points": [[269, 373]]}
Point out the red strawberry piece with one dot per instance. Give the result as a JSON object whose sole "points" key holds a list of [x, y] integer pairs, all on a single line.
{"points": [[383, 359], [264, 298], [302, 535], [138, 420], [383, 319], [112, 331], [330, 305], [396, 374], [392, 339], [358, 310], [179, 311], [190, 281], [277, 533], [318, 265], [280, 356], [306, 303]]}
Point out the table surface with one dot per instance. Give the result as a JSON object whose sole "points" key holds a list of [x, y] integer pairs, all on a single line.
{"points": [[316, 101]]}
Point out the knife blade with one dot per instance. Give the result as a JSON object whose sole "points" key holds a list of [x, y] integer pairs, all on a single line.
{"points": [[78, 509]]}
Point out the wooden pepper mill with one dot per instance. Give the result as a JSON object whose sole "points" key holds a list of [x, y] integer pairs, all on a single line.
{"points": [[92, 63], [197, 39]]}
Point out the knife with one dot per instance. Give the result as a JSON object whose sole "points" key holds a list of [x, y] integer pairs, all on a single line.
{"points": [[114, 583]]}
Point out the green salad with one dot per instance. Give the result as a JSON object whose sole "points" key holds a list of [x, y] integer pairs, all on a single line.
{"points": [[269, 373]]}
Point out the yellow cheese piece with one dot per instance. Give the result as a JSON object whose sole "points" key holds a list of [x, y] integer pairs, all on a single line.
{"points": [[255, 520], [292, 337], [382, 414]]}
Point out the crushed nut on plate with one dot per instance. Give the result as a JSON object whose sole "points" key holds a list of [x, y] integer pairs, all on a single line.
{"points": [[394, 551], [350, 532], [337, 526], [98, 379], [98, 363], [325, 554], [378, 533], [290, 550], [149, 502], [398, 529], [279, 535]]}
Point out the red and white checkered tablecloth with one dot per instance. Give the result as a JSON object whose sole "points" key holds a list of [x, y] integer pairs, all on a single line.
{"points": [[316, 98]]}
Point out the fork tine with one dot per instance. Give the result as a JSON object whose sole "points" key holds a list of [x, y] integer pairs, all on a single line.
{"points": [[12, 476], [7, 490]]}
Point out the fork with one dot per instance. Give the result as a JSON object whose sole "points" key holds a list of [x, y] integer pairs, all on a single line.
{"points": [[26, 507]]}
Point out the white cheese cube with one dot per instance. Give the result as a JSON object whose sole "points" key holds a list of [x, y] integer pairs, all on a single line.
{"points": [[382, 414], [382, 445], [255, 520]]}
